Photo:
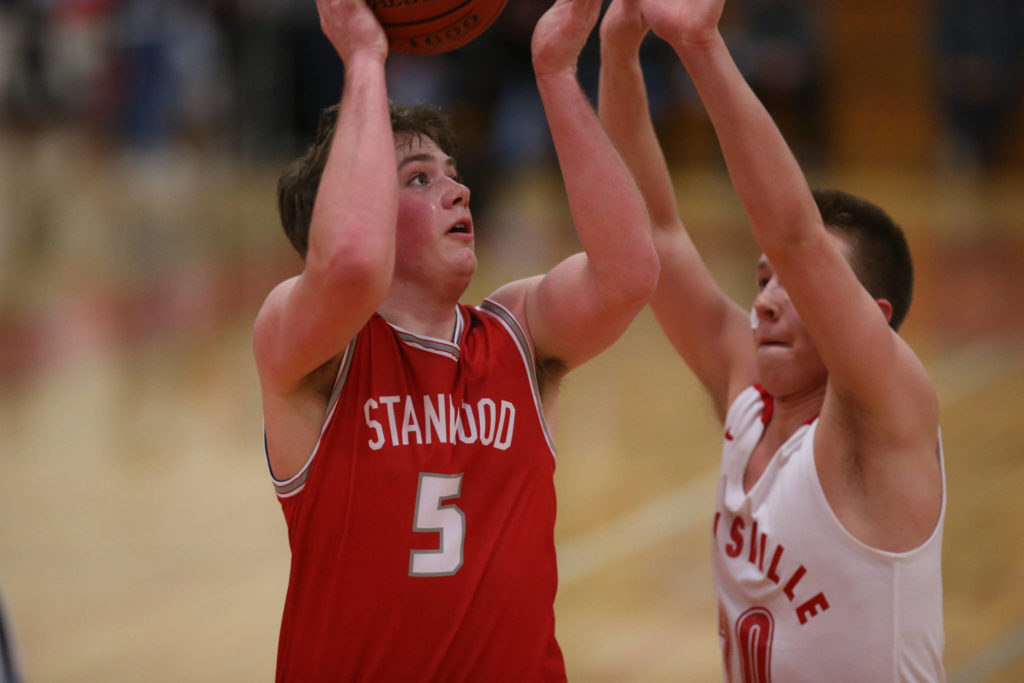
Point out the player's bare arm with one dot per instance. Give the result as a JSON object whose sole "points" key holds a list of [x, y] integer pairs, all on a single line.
{"points": [[307, 321], [586, 302], [877, 438], [709, 330]]}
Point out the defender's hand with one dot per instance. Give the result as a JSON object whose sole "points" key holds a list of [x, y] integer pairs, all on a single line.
{"points": [[623, 28], [683, 22], [352, 28], [561, 33]]}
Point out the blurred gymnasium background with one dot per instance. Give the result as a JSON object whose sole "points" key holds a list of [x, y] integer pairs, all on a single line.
{"points": [[140, 142]]}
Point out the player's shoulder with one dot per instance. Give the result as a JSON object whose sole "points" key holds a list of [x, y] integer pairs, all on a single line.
{"points": [[271, 305], [266, 328], [513, 295], [901, 404], [511, 300]]}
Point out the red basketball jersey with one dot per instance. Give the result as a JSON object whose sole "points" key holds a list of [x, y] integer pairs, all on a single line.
{"points": [[422, 526]]}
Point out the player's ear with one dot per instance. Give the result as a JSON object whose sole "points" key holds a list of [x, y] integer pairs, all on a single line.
{"points": [[886, 309]]}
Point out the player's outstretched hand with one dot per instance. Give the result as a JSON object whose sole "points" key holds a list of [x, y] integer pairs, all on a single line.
{"points": [[683, 22], [561, 33], [352, 28], [623, 28]]}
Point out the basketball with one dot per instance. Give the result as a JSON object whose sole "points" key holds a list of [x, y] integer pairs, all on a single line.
{"points": [[429, 27]]}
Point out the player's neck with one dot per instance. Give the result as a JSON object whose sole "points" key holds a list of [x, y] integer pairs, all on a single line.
{"points": [[792, 411], [426, 318], [423, 307]]}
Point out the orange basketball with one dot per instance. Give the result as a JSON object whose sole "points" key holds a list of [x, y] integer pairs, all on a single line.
{"points": [[429, 27]]}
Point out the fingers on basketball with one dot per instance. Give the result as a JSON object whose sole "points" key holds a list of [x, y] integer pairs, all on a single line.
{"points": [[427, 27]]}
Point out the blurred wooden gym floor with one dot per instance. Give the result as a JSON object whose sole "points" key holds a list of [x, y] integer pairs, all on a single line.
{"points": [[141, 539]]}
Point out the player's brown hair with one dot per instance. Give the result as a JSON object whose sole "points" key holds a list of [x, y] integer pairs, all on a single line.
{"points": [[881, 257], [298, 184]]}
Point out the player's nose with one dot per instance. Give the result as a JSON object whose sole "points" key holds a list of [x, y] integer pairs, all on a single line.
{"points": [[770, 300], [765, 310], [456, 194]]}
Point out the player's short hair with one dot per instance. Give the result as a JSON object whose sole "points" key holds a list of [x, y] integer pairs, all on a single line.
{"points": [[298, 184], [881, 258]]}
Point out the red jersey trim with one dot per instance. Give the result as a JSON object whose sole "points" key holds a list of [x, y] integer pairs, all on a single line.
{"points": [[511, 325], [290, 487], [767, 408]]}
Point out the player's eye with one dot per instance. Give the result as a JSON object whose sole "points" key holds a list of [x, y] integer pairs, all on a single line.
{"points": [[762, 282], [419, 179]]}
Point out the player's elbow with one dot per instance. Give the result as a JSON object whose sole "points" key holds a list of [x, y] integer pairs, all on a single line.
{"points": [[645, 270], [635, 282], [354, 270], [646, 277]]}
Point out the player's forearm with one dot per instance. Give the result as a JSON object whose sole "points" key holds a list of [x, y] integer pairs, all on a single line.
{"points": [[764, 172], [607, 208], [625, 113], [356, 207]]}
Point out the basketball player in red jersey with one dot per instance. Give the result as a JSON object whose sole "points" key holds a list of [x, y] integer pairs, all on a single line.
{"points": [[826, 539], [407, 434]]}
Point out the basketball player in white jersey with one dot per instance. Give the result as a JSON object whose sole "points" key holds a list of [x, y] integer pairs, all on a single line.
{"points": [[826, 539]]}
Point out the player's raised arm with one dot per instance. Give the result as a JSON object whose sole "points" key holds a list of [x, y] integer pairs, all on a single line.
{"points": [[709, 331], [349, 255], [585, 303], [869, 366]]}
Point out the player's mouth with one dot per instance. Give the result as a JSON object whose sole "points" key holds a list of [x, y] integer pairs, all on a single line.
{"points": [[770, 342], [461, 228]]}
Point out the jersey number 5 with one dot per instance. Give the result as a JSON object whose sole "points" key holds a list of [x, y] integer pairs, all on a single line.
{"points": [[433, 517]]}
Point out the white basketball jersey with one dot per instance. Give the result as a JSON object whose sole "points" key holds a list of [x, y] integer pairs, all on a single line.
{"points": [[801, 599]]}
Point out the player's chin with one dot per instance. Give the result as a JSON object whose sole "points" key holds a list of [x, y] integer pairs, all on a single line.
{"points": [[773, 366], [465, 261]]}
